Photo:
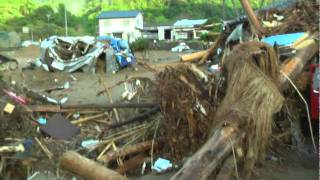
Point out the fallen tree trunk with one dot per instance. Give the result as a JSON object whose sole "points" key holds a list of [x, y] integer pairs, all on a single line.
{"points": [[87, 168], [227, 169], [206, 159]]}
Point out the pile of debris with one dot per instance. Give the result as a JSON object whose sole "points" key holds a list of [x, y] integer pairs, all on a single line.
{"points": [[225, 120], [188, 99], [257, 74], [74, 53]]}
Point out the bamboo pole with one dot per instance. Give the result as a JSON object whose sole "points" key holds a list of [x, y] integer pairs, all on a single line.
{"points": [[251, 15], [82, 120]]}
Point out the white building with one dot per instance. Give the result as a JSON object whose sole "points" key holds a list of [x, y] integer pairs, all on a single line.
{"points": [[121, 24], [185, 29]]}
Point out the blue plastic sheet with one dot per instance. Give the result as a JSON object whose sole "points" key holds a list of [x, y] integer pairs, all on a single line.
{"points": [[122, 50], [162, 165], [283, 39]]}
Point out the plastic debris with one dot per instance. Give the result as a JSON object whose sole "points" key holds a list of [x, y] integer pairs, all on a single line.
{"points": [[9, 108], [73, 78], [283, 39], [89, 143], [143, 168], [76, 115], [214, 68], [54, 101], [60, 128], [41, 120], [19, 99], [271, 158], [161, 165]]}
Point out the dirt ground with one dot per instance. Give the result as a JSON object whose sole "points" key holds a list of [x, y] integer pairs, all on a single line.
{"points": [[84, 90], [39, 80]]}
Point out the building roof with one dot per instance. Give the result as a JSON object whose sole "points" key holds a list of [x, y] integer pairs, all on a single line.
{"points": [[189, 22], [118, 14]]}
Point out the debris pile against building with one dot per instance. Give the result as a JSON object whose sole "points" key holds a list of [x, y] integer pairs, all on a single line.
{"points": [[202, 119]]}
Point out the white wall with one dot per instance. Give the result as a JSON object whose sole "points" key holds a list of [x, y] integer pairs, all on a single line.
{"points": [[178, 34], [126, 26], [182, 34], [161, 33]]}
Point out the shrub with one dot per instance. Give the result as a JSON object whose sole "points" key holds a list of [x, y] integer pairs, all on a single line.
{"points": [[140, 44]]}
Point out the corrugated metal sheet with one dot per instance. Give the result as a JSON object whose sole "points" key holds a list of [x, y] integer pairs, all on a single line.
{"points": [[189, 22]]}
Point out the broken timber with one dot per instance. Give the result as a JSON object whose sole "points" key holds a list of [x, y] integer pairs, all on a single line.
{"points": [[138, 118], [136, 148], [87, 168], [79, 107], [193, 56]]}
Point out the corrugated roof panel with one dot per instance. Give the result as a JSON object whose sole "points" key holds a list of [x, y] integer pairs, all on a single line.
{"points": [[189, 22], [118, 14]]}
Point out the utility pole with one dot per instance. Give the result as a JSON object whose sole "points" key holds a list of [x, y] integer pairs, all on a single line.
{"points": [[65, 17]]}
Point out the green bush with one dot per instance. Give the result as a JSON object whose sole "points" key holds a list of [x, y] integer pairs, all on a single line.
{"points": [[211, 36], [204, 37], [140, 44]]}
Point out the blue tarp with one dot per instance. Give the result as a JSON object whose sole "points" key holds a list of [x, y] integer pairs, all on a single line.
{"points": [[122, 50], [283, 39]]}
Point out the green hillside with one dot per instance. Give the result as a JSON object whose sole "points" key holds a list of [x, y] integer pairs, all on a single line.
{"points": [[46, 17]]}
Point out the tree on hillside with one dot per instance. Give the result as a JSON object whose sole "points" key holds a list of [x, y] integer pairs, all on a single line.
{"points": [[27, 7]]}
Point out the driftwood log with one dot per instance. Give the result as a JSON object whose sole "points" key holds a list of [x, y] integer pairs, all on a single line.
{"points": [[204, 161], [136, 148], [87, 168]]}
